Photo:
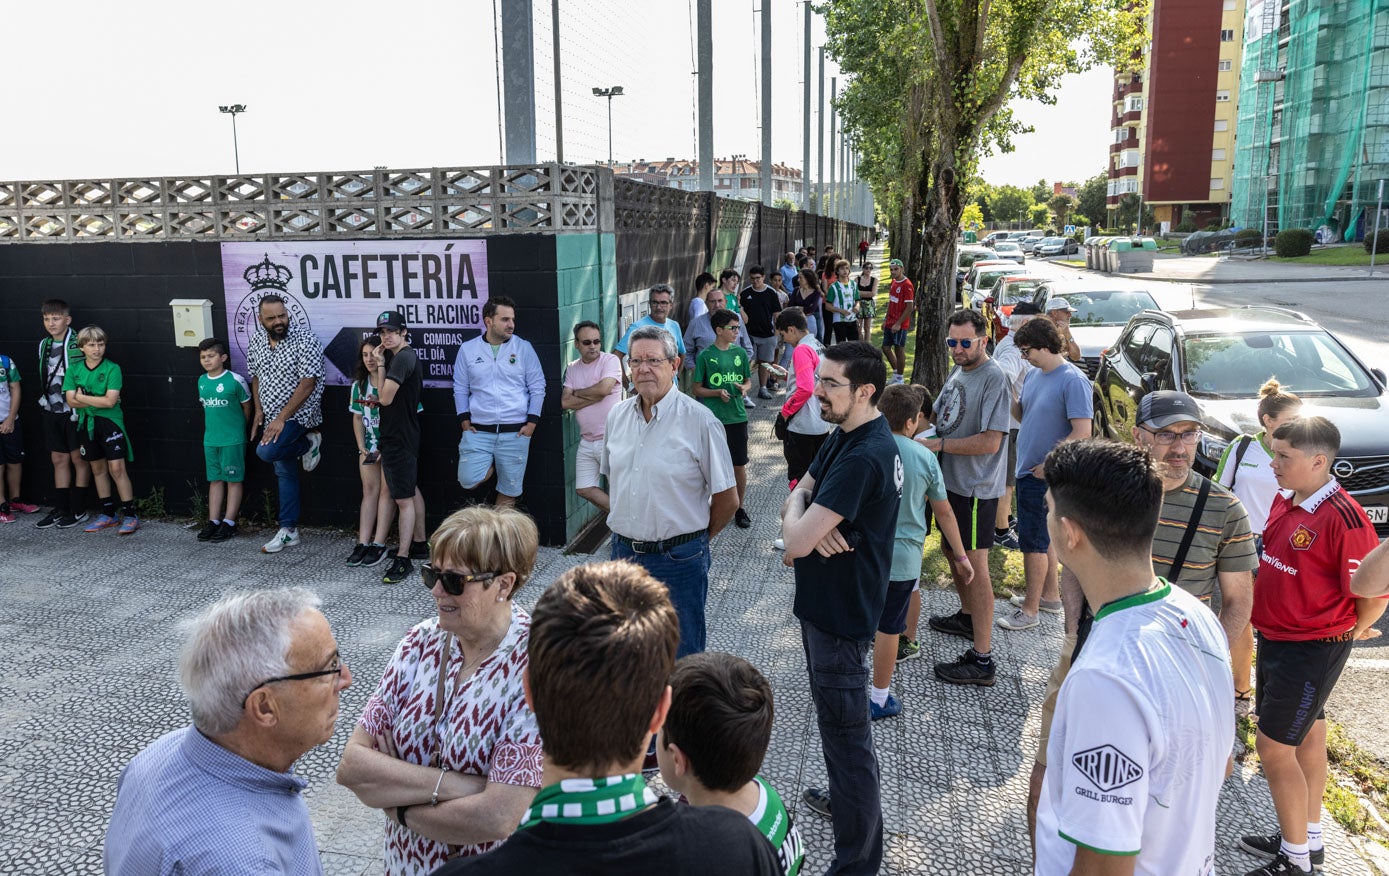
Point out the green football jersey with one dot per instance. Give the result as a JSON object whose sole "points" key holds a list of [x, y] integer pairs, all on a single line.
{"points": [[773, 821], [97, 381], [222, 397], [725, 369]]}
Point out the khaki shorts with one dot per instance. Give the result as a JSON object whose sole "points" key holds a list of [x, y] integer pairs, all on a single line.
{"points": [[1058, 675]]}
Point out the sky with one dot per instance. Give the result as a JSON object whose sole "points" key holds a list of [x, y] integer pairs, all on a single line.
{"points": [[131, 89]]}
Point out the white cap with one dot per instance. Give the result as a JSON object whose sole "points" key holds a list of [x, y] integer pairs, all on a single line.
{"points": [[1058, 304]]}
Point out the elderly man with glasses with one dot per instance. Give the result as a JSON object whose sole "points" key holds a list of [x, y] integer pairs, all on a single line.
{"points": [[659, 302], [263, 678]]}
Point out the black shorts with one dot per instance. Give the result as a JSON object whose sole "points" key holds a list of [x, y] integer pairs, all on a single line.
{"points": [[107, 442], [12, 447], [401, 466], [975, 518], [737, 436], [893, 621], [1292, 682], [845, 331], [800, 451], [59, 432]]}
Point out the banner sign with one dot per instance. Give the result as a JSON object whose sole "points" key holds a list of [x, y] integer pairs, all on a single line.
{"points": [[337, 289]]}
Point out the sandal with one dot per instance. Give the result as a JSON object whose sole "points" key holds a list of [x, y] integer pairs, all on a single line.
{"points": [[1244, 703]]}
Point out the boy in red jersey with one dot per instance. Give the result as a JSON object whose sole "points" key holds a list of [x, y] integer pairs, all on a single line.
{"points": [[901, 306], [1307, 617]]}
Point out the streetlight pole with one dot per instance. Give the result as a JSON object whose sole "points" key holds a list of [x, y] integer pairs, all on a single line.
{"points": [[236, 149], [609, 93]]}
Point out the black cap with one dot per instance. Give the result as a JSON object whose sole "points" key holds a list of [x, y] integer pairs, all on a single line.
{"points": [[1162, 408], [1026, 308], [391, 319]]}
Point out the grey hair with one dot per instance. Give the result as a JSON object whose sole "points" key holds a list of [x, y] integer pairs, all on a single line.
{"points": [[661, 287], [655, 333], [1018, 320], [234, 645]]}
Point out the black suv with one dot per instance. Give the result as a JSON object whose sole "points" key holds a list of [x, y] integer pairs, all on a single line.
{"points": [[1222, 356]]}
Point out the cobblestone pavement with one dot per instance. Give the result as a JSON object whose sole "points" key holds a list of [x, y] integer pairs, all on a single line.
{"points": [[88, 643]]}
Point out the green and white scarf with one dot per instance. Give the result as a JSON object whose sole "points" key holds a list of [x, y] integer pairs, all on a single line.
{"points": [[589, 801]]}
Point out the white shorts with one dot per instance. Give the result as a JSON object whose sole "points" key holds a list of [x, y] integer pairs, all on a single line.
{"points": [[586, 460]]}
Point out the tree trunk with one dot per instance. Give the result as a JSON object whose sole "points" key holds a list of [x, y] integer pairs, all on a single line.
{"points": [[933, 228]]}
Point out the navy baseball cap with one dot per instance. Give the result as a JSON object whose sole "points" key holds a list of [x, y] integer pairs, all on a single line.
{"points": [[1162, 408], [391, 319]]}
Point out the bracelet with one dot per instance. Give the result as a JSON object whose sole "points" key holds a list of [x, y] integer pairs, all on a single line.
{"points": [[400, 816], [961, 558], [434, 798]]}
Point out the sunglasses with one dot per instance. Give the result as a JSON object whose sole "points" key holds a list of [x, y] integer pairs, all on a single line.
{"points": [[966, 343], [452, 582], [593, 343]]}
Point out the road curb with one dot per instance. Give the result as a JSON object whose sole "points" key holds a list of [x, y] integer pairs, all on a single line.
{"points": [[1222, 282]]}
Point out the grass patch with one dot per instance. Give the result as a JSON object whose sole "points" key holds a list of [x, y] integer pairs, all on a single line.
{"points": [[1005, 568], [1351, 255], [152, 506]]}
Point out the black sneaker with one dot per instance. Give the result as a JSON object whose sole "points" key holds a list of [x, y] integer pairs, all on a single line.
{"points": [[67, 521], [967, 670], [419, 550], [225, 530], [209, 530], [49, 521], [741, 519], [355, 558], [817, 800], [374, 554], [1268, 847], [1008, 540], [1279, 866], [957, 624], [400, 569], [907, 649]]}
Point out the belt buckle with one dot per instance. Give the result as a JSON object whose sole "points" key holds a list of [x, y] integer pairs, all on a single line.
{"points": [[637, 547]]}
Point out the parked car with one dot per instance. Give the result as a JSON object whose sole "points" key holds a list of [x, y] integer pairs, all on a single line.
{"points": [[982, 277], [1222, 356], [1008, 291], [1029, 243], [1006, 249], [993, 237], [1102, 309], [965, 257], [1055, 246]]}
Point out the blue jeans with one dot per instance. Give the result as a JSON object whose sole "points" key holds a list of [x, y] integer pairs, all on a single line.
{"points": [[839, 680], [284, 452], [684, 569]]}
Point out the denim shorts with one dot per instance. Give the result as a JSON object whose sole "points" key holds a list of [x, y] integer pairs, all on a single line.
{"points": [[1033, 537], [505, 451]]}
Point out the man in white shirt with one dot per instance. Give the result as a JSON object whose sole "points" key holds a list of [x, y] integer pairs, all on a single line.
{"points": [[498, 391], [1135, 792]]}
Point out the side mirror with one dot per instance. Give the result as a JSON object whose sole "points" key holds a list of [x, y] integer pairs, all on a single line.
{"points": [[1379, 375], [1149, 382]]}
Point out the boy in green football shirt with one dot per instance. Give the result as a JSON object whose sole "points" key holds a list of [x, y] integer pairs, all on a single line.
{"points": [[93, 389], [713, 742], [226, 401], [722, 377]]}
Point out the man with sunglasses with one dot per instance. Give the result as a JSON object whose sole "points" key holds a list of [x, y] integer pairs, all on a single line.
{"points": [[659, 302], [592, 387], [972, 420], [221, 796]]}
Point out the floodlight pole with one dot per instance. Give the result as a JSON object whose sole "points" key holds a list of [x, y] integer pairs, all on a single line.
{"points": [[232, 110], [609, 93]]}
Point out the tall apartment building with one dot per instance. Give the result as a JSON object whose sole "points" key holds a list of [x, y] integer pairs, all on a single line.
{"points": [[1173, 121], [1314, 115]]}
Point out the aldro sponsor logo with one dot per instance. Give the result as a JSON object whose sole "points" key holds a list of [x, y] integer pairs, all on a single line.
{"points": [[1108, 769]]}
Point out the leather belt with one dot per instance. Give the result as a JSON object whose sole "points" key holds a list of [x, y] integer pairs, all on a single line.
{"points": [[658, 547], [498, 428]]}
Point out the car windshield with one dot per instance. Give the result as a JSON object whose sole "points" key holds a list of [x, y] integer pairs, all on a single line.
{"points": [[1007, 247], [969, 257], [1107, 308], [1305, 363], [989, 277], [1024, 290], [1053, 241]]}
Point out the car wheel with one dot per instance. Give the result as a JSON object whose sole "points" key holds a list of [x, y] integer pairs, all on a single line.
{"points": [[1098, 429]]}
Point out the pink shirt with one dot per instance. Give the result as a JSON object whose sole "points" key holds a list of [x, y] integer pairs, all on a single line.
{"points": [[581, 375]]}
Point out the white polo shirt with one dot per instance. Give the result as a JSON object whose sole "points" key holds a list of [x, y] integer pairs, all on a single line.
{"points": [[662, 474], [1143, 729]]}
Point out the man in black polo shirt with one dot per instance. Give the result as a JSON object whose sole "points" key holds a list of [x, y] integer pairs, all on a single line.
{"points": [[838, 525], [402, 380], [760, 306]]}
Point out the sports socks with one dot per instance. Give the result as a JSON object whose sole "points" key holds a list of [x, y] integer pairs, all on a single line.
{"points": [[1314, 841], [1298, 854], [879, 696], [985, 658]]}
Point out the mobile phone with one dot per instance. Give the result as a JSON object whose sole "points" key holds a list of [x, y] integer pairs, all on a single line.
{"points": [[371, 458]]}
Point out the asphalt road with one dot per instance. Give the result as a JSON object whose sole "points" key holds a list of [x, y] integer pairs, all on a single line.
{"points": [[1357, 313]]}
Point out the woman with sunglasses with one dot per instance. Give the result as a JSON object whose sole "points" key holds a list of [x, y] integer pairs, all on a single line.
{"points": [[447, 746]]}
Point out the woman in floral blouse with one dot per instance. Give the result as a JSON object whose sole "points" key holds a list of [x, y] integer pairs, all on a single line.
{"points": [[447, 746]]}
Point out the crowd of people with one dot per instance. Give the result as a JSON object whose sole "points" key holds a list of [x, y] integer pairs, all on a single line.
{"points": [[481, 743]]}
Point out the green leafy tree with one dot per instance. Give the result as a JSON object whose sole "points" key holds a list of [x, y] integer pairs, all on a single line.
{"points": [[1037, 215], [972, 218], [1091, 197], [1061, 207], [1009, 201], [985, 208], [1128, 214], [1041, 191], [929, 86], [785, 204]]}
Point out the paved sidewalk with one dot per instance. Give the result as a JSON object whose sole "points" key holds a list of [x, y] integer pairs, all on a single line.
{"points": [[88, 641], [1217, 271]]}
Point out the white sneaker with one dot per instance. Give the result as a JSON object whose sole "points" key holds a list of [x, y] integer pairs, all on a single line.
{"points": [[779, 544], [1018, 620], [311, 457], [1048, 605], [749, 403], [284, 538]]}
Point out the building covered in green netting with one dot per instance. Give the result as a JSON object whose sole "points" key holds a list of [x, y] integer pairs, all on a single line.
{"points": [[1312, 131]]}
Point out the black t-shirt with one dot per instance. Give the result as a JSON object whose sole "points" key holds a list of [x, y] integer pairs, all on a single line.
{"points": [[761, 308], [670, 839], [858, 475], [400, 420]]}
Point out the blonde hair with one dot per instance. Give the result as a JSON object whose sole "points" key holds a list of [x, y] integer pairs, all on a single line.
{"points": [[480, 539], [1274, 400], [89, 334]]}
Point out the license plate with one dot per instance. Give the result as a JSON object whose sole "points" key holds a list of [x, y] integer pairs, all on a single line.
{"points": [[1377, 513]]}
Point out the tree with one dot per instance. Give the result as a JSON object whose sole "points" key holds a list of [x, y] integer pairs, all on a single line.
{"points": [[1128, 213], [986, 208], [1041, 191], [785, 204], [1061, 205], [930, 82], [1037, 215], [1091, 197], [1009, 201], [971, 217]]}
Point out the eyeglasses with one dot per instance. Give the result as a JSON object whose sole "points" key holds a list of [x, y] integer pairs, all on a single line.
{"points": [[835, 384], [731, 327], [1023, 351], [952, 343], [660, 303], [593, 343], [452, 582], [646, 363], [336, 669], [1166, 439]]}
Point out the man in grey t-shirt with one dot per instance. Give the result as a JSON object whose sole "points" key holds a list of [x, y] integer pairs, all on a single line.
{"points": [[972, 439]]}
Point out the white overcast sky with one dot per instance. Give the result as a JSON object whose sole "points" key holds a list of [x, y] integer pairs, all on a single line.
{"points": [[130, 89]]}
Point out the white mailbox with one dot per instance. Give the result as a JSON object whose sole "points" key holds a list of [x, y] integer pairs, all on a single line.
{"points": [[192, 320]]}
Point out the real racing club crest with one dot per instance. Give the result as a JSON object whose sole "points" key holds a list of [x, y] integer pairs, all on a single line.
{"points": [[1302, 538]]}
